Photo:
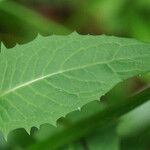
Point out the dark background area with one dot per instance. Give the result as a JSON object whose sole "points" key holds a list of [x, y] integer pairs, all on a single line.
{"points": [[127, 18]]}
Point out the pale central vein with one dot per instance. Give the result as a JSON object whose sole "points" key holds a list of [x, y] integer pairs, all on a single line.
{"points": [[49, 75]]}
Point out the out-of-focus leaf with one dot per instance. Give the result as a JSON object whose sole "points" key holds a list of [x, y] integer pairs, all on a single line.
{"points": [[19, 138], [137, 141], [87, 126], [104, 140], [135, 120], [44, 132], [20, 24], [99, 140]]}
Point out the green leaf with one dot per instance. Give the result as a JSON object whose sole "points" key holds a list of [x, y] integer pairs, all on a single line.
{"points": [[96, 141], [88, 125], [105, 140], [99, 140], [137, 141], [49, 77], [2, 142], [88, 110], [130, 123], [19, 138]]}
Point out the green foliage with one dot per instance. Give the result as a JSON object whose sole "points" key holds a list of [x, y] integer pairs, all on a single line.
{"points": [[57, 92], [21, 24], [102, 120], [47, 78]]}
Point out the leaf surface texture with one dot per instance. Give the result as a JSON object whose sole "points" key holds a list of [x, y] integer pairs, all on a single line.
{"points": [[52, 76]]}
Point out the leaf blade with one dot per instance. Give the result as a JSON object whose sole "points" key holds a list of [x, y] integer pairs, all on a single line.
{"points": [[49, 77]]}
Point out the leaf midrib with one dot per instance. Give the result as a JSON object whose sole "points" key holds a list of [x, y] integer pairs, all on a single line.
{"points": [[50, 75]]}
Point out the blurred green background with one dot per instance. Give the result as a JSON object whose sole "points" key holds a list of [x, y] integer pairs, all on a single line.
{"points": [[22, 20], [129, 18]]}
